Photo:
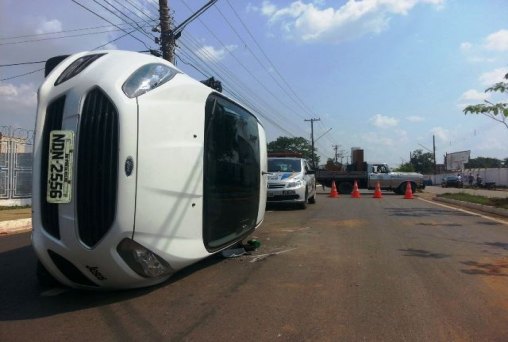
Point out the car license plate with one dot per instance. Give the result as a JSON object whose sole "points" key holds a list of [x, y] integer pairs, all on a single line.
{"points": [[288, 192], [61, 151]]}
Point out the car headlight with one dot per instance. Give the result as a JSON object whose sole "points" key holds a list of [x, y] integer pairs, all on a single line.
{"points": [[146, 78], [141, 260], [296, 184]]}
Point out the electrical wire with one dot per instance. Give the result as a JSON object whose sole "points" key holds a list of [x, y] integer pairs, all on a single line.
{"points": [[34, 71], [95, 13], [243, 98], [26, 73], [254, 77], [267, 58], [57, 32], [67, 36], [116, 15], [23, 63]]}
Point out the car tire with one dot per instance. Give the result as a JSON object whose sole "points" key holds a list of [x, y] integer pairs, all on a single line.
{"points": [[303, 205], [312, 199], [346, 188]]}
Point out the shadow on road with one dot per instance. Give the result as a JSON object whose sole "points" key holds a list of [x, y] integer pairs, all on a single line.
{"points": [[502, 245], [489, 223], [490, 269], [423, 253], [424, 212], [438, 224], [21, 296]]}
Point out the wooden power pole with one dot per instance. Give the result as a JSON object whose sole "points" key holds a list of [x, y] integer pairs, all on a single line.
{"points": [[312, 140], [167, 39]]}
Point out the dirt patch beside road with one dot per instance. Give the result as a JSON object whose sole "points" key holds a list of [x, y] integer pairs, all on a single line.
{"points": [[15, 214]]}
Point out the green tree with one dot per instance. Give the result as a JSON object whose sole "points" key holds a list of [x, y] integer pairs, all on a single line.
{"points": [[495, 111], [406, 167], [296, 145], [422, 162], [332, 165], [483, 162]]}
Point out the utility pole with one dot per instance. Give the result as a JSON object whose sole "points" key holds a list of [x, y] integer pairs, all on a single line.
{"points": [[312, 140], [434, 152], [336, 148], [167, 38]]}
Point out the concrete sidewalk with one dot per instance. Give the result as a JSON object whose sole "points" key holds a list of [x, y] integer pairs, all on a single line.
{"points": [[15, 226]]}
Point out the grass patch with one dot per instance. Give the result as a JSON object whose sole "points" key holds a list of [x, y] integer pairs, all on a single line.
{"points": [[2, 207], [493, 202]]}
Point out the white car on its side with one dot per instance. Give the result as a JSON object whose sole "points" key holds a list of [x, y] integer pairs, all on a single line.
{"points": [[139, 170]]}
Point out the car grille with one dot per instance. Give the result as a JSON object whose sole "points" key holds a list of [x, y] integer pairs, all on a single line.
{"points": [[282, 198], [97, 167], [49, 211], [276, 186]]}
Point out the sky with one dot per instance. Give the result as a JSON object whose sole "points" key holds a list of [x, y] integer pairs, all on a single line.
{"points": [[383, 75]]}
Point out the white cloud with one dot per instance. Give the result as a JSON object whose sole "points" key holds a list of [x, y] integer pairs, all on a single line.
{"points": [[47, 26], [497, 41], [309, 22], [381, 121], [374, 138], [442, 134], [494, 76], [212, 54], [23, 95], [466, 46], [474, 95], [415, 118], [479, 59]]}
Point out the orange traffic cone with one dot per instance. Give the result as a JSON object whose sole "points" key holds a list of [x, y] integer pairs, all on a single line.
{"points": [[334, 193], [356, 192], [377, 191], [409, 191]]}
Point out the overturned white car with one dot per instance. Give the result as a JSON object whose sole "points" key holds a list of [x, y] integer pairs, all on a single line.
{"points": [[139, 171]]}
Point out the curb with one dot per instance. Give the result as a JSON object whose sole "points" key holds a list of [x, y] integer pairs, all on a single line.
{"points": [[15, 226], [480, 207]]}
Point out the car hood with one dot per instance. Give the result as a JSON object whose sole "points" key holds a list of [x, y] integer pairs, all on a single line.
{"points": [[284, 176]]}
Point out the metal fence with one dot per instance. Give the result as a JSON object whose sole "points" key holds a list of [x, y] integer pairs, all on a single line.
{"points": [[16, 146]]}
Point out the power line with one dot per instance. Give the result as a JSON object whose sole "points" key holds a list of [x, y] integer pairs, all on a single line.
{"points": [[34, 71], [57, 32], [253, 54], [26, 73], [131, 11], [95, 13], [66, 36], [254, 77], [23, 63], [116, 15], [235, 94], [267, 58]]}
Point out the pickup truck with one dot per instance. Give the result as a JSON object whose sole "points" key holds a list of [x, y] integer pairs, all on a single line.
{"points": [[388, 180], [290, 180]]}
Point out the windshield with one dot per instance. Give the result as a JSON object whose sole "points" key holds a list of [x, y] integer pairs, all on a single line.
{"points": [[284, 165]]}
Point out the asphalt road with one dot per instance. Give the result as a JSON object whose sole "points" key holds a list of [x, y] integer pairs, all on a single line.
{"points": [[345, 269]]}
